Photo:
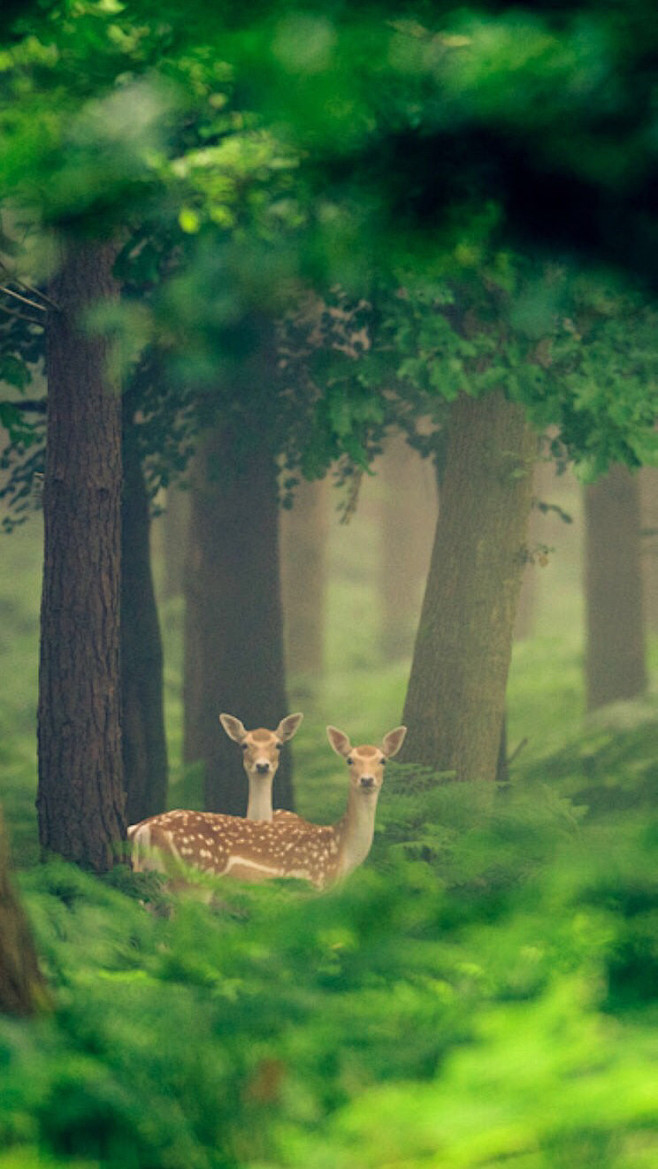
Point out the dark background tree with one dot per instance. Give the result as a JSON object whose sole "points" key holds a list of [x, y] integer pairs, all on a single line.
{"points": [[615, 652], [234, 659], [22, 987], [81, 798], [304, 535], [142, 714], [649, 544], [408, 521]]}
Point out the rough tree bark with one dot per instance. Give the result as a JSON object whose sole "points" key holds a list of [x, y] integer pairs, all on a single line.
{"points": [[456, 696], [22, 988], [144, 741], [80, 797], [304, 534], [234, 658], [615, 663]]}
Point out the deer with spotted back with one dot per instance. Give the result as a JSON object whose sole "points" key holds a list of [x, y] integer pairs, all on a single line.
{"points": [[254, 850]]}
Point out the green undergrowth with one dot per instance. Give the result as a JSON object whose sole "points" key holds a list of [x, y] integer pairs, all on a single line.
{"points": [[483, 993]]}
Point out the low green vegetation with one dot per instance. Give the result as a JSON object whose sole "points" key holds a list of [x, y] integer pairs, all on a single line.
{"points": [[483, 993]]}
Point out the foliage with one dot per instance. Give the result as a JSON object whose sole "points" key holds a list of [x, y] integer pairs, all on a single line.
{"points": [[244, 162], [482, 991], [494, 999]]}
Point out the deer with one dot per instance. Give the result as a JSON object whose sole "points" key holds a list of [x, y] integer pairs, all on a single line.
{"points": [[256, 850], [261, 754]]}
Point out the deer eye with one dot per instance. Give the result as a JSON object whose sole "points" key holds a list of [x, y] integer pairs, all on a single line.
{"points": [[278, 746], [243, 746], [350, 761], [383, 761]]}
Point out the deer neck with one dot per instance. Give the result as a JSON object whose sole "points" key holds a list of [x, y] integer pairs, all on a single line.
{"points": [[259, 806], [355, 831]]}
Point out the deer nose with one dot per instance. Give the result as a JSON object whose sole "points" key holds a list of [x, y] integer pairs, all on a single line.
{"points": [[367, 781], [262, 768]]}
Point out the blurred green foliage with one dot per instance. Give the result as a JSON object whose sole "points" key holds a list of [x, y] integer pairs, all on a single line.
{"points": [[245, 158], [481, 993], [484, 991]]}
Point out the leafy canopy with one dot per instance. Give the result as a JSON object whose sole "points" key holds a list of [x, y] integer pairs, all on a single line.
{"points": [[396, 155]]}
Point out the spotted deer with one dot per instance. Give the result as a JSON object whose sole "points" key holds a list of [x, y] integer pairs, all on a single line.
{"points": [[253, 850], [261, 755]]}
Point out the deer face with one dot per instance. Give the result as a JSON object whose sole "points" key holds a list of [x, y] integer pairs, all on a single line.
{"points": [[366, 764], [260, 748], [261, 752]]}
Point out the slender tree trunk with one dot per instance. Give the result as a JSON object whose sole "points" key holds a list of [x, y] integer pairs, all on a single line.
{"points": [[144, 742], [409, 510], [526, 609], [649, 547], [81, 800], [174, 524], [233, 621], [304, 533], [22, 988], [615, 665], [456, 696]]}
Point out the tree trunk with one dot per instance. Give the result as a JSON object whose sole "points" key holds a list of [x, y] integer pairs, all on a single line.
{"points": [[81, 800], [649, 547], [304, 533], [526, 609], [174, 524], [144, 742], [409, 509], [22, 988], [456, 696], [615, 665], [233, 618]]}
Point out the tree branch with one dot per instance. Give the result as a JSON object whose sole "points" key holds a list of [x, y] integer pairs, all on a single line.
{"points": [[32, 303]]}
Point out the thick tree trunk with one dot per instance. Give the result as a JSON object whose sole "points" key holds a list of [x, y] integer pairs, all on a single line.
{"points": [[22, 988], [615, 664], [81, 799], [304, 534], [233, 619], [456, 696], [409, 510], [144, 742]]}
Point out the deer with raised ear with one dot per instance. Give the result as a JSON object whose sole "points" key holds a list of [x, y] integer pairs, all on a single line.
{"points": [[253, 850], [261, 755]]}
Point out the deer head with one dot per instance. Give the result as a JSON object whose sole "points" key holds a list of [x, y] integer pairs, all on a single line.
{"points": [[260, 758]]}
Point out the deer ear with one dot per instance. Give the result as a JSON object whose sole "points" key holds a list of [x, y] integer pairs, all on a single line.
{"points": [[339, 741], [392, 742], [233, 727], [289, 726]]}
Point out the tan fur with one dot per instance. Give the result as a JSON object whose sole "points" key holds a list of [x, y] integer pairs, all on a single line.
{"points": [[289, 846], [261, 755]]}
